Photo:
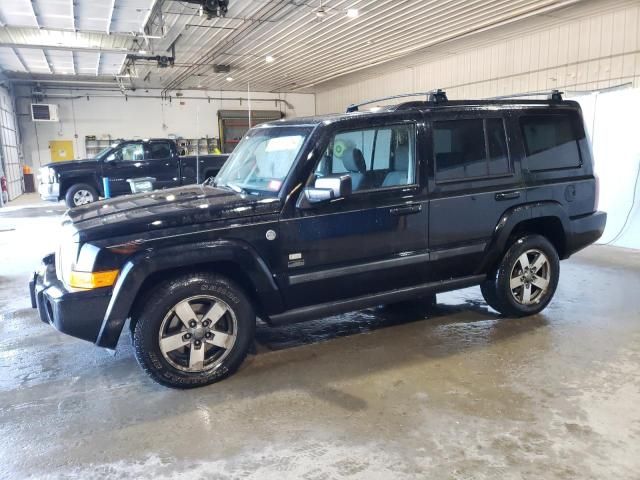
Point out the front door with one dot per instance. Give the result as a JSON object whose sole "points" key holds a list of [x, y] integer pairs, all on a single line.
{"points": [[372, 240], [125, 162]]}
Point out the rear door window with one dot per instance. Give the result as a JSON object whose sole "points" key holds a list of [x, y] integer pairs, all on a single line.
{"points": [[470, 148], [159, 151], [551, 141]]}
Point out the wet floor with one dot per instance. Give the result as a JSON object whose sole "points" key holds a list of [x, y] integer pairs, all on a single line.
{"points": [[399, 392]]}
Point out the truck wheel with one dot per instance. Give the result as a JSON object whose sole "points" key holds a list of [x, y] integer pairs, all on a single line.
{"points": [[80, 194], [193, 330], [526, 278]]}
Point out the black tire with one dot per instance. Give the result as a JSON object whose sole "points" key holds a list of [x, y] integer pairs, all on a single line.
{"points": [[496, 289], [488, 289], [70, 197], [158, 311]]}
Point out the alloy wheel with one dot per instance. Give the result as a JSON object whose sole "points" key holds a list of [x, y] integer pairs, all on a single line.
{"points": [[198, 333], [530, 277], [82, 197]]}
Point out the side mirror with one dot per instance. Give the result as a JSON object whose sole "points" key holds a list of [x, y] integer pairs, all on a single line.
{"points": [[111, 158], [328, 188]]}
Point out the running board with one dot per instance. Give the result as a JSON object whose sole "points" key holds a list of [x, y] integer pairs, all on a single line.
{"points": [[348, 305]]}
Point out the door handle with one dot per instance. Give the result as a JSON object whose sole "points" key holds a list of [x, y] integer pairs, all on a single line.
{"points": [[406, 210], [507, 195]]}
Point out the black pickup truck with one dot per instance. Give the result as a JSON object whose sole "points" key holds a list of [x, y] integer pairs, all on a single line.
{"points": [[79, 182]]}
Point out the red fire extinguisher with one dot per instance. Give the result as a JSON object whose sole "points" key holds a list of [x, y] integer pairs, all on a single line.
{"points": [[3, 189]]}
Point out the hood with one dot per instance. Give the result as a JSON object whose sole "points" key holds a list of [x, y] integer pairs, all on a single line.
{"points": [[161, 209], [73, 164]]}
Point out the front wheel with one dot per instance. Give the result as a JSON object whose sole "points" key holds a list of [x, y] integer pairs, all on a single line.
{"points": [[193, 330], [526, 278], [80, 194]]}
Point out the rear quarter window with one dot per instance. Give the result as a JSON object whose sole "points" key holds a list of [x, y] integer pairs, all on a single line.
{"points": [[551, 141]]}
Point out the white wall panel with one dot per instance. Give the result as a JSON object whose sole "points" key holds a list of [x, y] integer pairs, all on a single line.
{"points": [[115, 116], [586, 47]]}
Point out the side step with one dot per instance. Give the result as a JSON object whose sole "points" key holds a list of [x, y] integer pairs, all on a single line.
{"points": [[348, 305]]}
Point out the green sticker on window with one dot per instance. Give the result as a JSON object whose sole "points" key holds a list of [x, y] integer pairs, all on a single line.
{"points": [[338, 148]]}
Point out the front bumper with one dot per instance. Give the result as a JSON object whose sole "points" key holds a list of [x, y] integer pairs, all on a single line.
{"points": [[584, 231], [77, 313], [49, 191]]}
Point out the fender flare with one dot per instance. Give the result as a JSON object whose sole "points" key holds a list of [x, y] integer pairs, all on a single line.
{"points": [[511, 218], [138, 268], [67, 182]]}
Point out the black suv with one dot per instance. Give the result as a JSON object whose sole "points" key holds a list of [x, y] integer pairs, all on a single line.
{"points": [[314, 216]]}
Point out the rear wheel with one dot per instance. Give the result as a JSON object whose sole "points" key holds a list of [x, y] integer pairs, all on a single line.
{"points": [[193, 330], [80, 194], [526, 278]]}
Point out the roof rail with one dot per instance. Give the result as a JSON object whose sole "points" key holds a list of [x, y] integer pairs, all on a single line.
{"points": [[435, 96], [554, 95]]}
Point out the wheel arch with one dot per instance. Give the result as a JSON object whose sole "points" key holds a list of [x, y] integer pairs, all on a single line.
{"points": [[548, 219], [67, 183], [234, 259]]}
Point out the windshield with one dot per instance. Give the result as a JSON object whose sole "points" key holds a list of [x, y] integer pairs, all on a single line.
{"points": [[262, 160]]}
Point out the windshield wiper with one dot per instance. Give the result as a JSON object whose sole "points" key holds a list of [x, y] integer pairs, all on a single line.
{"points": [[235, 188]]}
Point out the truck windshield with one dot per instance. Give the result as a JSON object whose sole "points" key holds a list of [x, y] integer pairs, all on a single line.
{"points": [[263, 159]]}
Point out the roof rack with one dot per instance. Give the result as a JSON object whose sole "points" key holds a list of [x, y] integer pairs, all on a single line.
{"points": [[554, 95], [434, 96]]}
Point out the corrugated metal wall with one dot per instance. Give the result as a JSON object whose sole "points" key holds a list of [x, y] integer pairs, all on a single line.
{"points": [[9, 141], [589, 46]]}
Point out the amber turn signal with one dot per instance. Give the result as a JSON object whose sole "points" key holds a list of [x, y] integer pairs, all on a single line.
{"points": [[93, 279]]}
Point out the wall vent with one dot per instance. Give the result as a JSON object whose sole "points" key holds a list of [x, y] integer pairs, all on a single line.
{"points": [[44, 112]]}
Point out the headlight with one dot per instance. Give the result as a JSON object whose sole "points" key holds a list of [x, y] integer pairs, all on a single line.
{"points": [[75, 265], [48, 175]]}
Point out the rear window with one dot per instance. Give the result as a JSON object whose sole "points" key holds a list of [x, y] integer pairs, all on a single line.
{"points": [[551, 141], [470, 149]]}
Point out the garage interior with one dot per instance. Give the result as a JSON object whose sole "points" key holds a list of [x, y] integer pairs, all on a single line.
{"points": [[457, 391]]}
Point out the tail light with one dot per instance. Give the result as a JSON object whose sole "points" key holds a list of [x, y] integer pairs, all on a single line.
{"points": [[3, 184]]}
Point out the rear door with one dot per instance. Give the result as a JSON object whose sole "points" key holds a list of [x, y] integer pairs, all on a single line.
{"points": [[473, 179], [372, 240], [162, 164]]}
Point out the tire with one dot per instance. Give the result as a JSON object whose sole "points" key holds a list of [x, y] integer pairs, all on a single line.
{"points": [[165, 322], [532, 290], [80, 194]]}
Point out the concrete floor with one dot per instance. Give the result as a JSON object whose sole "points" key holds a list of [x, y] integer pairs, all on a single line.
{"points": [[375, 394]]}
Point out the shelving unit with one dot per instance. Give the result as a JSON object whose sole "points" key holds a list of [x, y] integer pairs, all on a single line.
{"points": [[93, 145], [197, 146]]}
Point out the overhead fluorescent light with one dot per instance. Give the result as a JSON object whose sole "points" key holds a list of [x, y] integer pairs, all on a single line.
{"points": [[353, 13], [229, 79], [269, 59]]}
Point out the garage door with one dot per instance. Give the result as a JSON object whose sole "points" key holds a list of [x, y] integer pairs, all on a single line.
{"points": [[9, 145]]}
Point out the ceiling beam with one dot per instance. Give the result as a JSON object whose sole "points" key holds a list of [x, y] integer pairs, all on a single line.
{"points": [[73, 15], [110, 18], [35, 14], [49, 65], [40, 46]]}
